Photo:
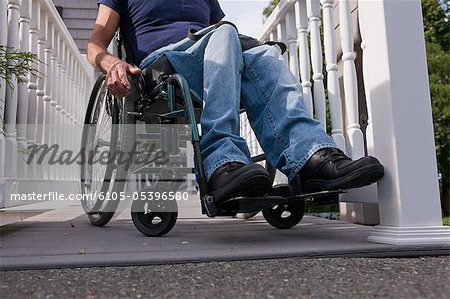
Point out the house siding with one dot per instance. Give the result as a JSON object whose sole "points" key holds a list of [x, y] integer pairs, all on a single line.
{"points": [[79, 17]]}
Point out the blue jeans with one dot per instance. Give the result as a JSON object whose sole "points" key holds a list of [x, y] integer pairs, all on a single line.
{"points": [[220, 74]]}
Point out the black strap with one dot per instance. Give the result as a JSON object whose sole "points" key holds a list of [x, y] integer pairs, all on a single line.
{"points": [[295, 186], [195, 37], [247, 42]]}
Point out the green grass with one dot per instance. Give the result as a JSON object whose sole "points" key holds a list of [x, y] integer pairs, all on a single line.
{"points": [[446, 220]]}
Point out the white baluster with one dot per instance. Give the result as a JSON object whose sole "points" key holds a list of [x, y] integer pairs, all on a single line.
{"points": [[281, 33], [3, 41], [273, 36], [56, 98], [41, 103], [70, 87], [245, 130], [70, 107], [334, 97], [313, 10], [60, 106], [67, 108], [49, 78], [355, 140], [305, 68], [76, 91], [291, 31], [73, 97], [67, 84], [32, 84], [22, 99], [11, 92]]}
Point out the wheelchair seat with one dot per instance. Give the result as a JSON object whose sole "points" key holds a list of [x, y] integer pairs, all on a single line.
{"points": [[156, 73]]}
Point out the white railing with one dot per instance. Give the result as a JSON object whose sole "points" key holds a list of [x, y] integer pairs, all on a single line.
{"points": [[36, 109], [399, 130]]}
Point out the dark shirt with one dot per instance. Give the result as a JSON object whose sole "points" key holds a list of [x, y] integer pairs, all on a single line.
{"points": [[148, 25]]}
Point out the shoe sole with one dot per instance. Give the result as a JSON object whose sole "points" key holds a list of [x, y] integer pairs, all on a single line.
{"points": [[249, 184], [359, 178]]}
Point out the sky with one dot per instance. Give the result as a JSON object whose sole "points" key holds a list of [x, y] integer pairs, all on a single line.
{"points": [[245, 14]]}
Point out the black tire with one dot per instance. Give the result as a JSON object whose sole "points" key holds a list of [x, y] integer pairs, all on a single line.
{"points": [[154, 218], [122, 139], [99, 133], [285, 215]]}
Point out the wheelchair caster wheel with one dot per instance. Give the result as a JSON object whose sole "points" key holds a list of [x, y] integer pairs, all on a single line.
{"points": [[285, 215], [154, 218]]}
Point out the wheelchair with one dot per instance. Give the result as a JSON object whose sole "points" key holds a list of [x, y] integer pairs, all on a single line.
{"points": [[162, 97]]}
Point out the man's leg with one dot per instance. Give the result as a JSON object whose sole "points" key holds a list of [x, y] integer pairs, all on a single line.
{"points": [[222, 68], [293, 142], [221, 143]]}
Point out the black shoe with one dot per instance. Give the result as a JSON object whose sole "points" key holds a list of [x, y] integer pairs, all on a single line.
{"points": [[237, 179], [330, 169]]}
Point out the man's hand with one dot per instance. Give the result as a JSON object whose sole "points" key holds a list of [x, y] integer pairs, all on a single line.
{"points": [[116, 70], [116, 78]]}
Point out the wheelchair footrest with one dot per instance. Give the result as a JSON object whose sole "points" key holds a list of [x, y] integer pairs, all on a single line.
{"points": [[278, 195]]}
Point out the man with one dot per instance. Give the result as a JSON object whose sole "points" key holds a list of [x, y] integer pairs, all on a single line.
{"points": [[222, 75]]}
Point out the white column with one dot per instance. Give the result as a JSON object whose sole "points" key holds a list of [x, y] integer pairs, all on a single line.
{"points": [[334, 97], [22, 88], [408, 193], [355, 146], [11, 93], [291, 31], [313, 10], [305, 68], [3, 41]]}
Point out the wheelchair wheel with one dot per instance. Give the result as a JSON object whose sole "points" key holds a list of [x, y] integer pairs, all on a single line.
{"points": [[105, 129], [285, 215], [154, 218], [99, 135]]}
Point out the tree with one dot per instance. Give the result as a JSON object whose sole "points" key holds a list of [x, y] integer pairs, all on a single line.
{"points": [[437, 37], [14, 63], [268, 9]]}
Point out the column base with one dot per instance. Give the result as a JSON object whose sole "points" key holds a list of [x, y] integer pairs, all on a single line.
{"points": [[359, 212], [413, 235]]}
